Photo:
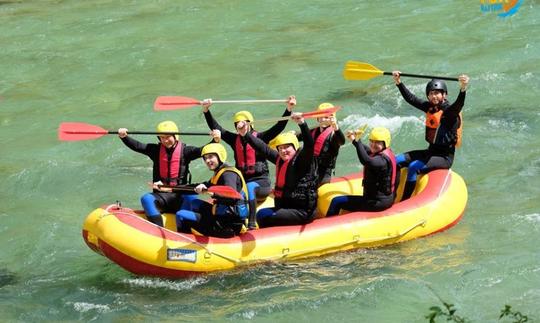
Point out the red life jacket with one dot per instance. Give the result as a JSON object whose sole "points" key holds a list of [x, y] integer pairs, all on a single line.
{"points": [[245, 158], [390, 154], [321, 139], [281, 172], [169, 170]]}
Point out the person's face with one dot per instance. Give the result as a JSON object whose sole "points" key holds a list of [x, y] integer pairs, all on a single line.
{"points": [[167, 140], [286, 151], [242, 127], [211, 161], [324, 121], [376, 146], [436, 97]]}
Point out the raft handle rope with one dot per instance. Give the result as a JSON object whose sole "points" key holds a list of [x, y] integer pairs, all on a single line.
{"points": [[357, 240]]}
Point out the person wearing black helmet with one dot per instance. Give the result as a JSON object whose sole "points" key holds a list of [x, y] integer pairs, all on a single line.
{"points": [[443, 129]]}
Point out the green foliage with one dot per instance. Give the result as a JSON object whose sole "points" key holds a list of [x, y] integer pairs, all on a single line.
{"points": [[517, 316], [449, 313]]}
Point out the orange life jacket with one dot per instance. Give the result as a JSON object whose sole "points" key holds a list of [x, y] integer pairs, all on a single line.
{"points": [[433, 122]]}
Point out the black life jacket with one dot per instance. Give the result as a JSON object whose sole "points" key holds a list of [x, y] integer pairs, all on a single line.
{"points": [[376, 183], [300, 193]]}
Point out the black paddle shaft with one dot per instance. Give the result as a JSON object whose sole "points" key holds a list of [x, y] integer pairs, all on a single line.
{"points": [[426, 76]]}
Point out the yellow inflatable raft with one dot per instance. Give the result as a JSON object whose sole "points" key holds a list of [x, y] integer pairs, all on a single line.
{"points": [[125, 237]]}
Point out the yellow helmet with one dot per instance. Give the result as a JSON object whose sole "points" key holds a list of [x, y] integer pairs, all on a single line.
{"points": [[380, 134], [285, 138], [242, 116], [167, 126], [326, 106], [215, 148]]}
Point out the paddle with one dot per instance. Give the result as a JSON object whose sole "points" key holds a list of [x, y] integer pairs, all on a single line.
{"points": [[73, 131], [305, 115], [216, 190], [163, 103], [364, 71]]}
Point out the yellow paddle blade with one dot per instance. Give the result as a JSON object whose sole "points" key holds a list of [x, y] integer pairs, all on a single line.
{"points": [[360, 71], [360, 131]]}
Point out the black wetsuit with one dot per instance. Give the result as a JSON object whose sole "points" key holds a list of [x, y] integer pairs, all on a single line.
{"points": [[440, 153], [299, 198], [326, 161], [260, 174], [224, 219], [378, 194], [165, 202]]}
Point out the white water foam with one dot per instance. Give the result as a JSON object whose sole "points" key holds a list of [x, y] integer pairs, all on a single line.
{"points": [[534, 217], [392, 123], [165, 284], [505, 124], [527, 76], [83, 307]]}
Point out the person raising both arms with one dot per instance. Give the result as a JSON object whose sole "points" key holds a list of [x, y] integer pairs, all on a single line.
{"points": [[251, 163], [380, 178], [443, 129], [328, 138], [170, 158], [226, 216], [295, 191]]}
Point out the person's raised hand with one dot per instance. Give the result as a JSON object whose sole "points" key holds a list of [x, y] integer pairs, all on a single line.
{"points": [[206, 103]]}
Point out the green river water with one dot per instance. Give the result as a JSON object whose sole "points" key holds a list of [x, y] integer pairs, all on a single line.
{"points": [[104, 62]]}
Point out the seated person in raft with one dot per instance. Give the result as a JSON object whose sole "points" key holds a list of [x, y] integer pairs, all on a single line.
{"points": [[170, 163], [295, 189], [380, 178], [225, 217]]}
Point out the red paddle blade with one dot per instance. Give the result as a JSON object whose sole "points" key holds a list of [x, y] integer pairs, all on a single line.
{"points": [[73, 131], [225, 191], [322, 113], [174, 103]]}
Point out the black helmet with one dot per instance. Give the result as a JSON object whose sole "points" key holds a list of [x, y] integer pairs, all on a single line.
{"points": [[437, 85]]}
